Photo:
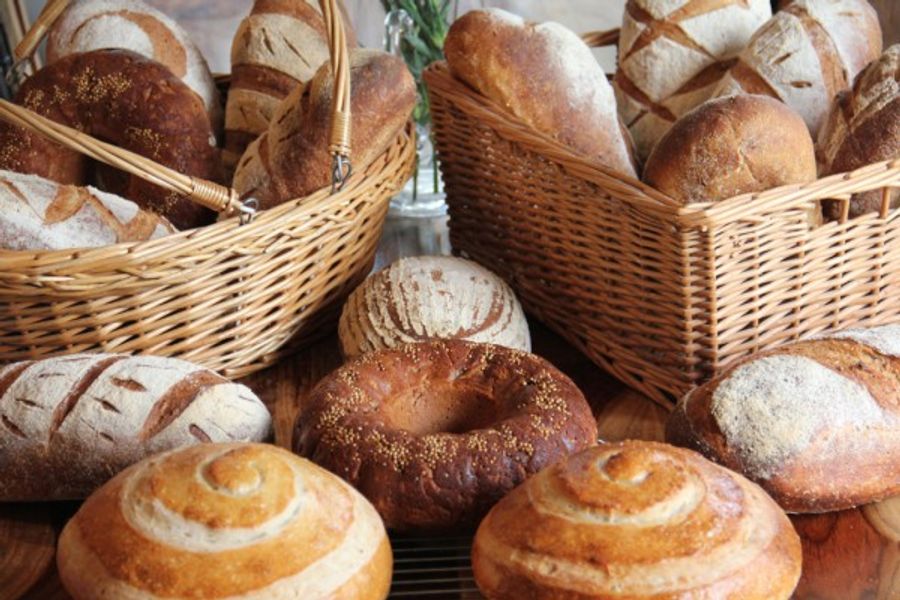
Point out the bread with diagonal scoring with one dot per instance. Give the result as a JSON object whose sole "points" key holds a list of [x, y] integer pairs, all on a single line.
{"points": [[68, 424]]}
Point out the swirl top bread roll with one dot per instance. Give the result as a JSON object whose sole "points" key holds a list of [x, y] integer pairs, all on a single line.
{"points": [[636, 520], [225, 521]]}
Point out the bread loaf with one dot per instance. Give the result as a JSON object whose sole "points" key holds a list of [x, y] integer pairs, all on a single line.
{"points": [[68, 424], [281, 44], [636, 520], [133, 25], [291, 159], [247, 521], [673, 54], [732, 146], [38, 214], [806, 54], [432, 297], [544, 75], [816, 423], [863, 127]]}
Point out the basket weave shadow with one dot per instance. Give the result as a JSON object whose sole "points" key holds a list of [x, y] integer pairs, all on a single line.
{"points": [[661, 296]]}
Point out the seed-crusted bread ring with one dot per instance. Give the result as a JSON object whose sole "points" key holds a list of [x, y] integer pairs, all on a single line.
{"points": [[433, 434]]}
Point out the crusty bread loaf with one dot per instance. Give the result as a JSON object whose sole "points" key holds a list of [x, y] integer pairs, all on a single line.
{"points": [[248, 521], [291, 159], [133, 25], [68, 424], [432, 297], [863, 127], [39, 214], [672, 56], [636, 520], [816, 422], [806, 54], [731, 146], [547, 77], [281, 44]]}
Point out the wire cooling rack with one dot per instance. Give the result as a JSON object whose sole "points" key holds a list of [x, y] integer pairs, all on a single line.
{"points": [[433, 568]]}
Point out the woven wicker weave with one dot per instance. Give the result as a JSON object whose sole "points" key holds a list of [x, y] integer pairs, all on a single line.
{"points": [[231, 297], [659, 295]]}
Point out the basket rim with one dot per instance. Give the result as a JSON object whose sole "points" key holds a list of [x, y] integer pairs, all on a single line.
{"points": [[304, 206], [753, 206]]}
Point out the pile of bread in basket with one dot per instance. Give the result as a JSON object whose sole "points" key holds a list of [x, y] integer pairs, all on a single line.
{"points": [[441, 419]]}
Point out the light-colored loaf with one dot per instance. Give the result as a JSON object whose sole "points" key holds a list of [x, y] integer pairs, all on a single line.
{"points": [[673, 54], [806, 54], [133, 25], [39, 214], [636, 520], [280, 45], [68, 424], [248, 521], [731, 146], [432, 297], [291, 158], [816, 423], [546, 76], [863, 127]]}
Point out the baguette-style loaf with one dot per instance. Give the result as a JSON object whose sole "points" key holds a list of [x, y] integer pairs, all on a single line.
{"points": [[134, 25], [39, 214], [816, 423], [68, 424], [806, 54], [863, 127], [546, 76], [291, 158], [673, 54], [280, 45]]}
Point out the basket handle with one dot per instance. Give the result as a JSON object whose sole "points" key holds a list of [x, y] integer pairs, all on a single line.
{"points": [[599, 39], [33, 37]]}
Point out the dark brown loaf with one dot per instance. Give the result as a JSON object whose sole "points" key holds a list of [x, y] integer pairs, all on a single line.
{"points": [[434, 433], [732, 146], [547, 77], [68, 424], [130, 101], [816, 423], [291, 159], [863, 127]]}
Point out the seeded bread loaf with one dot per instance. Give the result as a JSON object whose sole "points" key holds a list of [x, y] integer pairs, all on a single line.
{"points": [[816, 423], [68, 424]]}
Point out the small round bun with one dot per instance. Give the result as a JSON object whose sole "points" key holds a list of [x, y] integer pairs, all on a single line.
{"points": [[425, 297], [636, 520], [225, 521], [731, 146]]}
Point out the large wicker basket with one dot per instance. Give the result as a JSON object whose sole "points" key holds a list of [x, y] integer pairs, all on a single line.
{"points": [[233, 297], [659, 295]]}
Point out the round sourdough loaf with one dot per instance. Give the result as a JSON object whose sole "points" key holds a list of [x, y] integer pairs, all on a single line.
{"points": [[246, 521], [636, 520], [432, 297]]}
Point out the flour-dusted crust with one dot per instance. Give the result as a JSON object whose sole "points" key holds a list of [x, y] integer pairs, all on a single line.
{"points": [[545, 75], [672, 55], [636, 520], [225, 520], [816, 423], [133, 25], [68, 424], [432, 297]]}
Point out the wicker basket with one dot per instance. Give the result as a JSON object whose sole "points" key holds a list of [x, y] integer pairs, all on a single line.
{"points": [[233, 297], [659, 295]]}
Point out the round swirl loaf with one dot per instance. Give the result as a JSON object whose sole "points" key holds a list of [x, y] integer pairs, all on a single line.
{"points": [[636, 520], [225, 521]]}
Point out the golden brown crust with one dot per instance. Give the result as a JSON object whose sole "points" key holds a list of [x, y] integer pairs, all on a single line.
{"points": [[732, 146], [636, 520], [130, 101], [435, 433]]}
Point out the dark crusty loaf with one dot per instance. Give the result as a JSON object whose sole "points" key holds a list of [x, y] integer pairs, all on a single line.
{"points": [[816, 422], [68, 424]]}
